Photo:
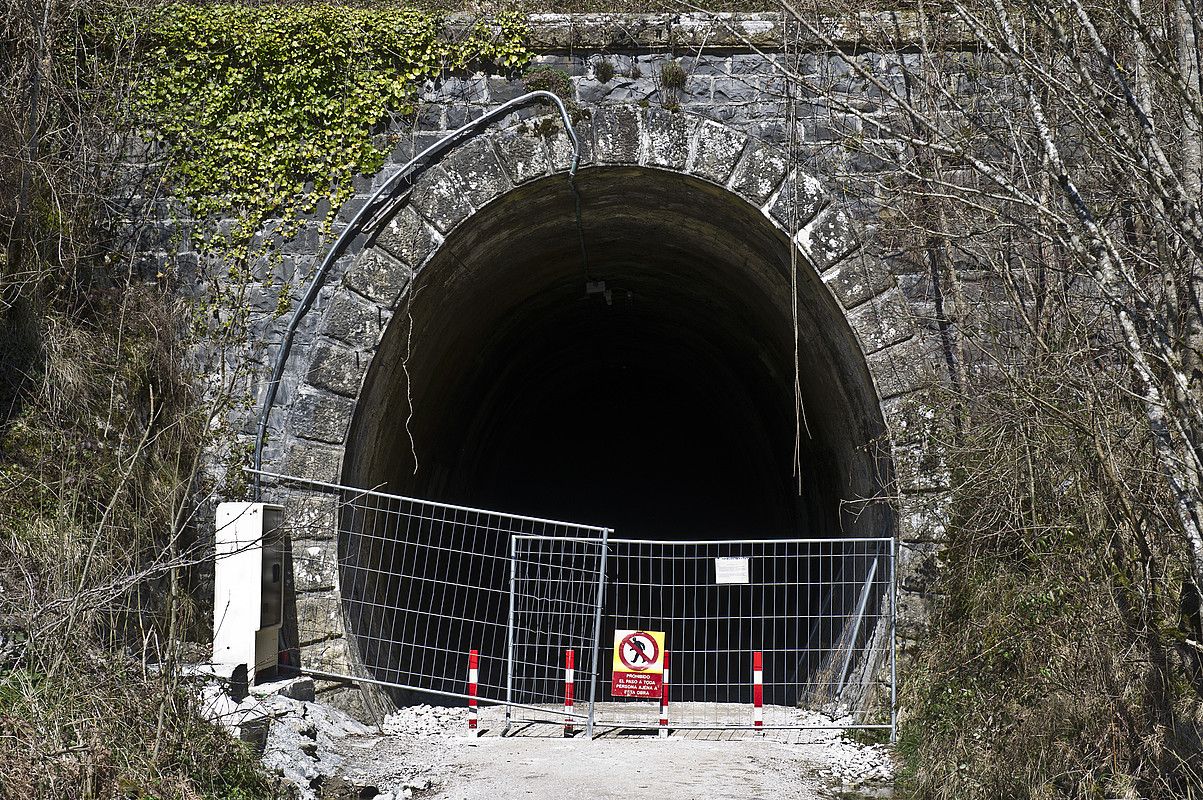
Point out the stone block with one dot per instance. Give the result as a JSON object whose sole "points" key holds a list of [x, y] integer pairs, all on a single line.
{"points": [[617, 90], [911, 418], [311, 515], [716, 151], [669, 135], [829, 238], [914, 616], [752, 64], [882, 321], [314, 462], [329, 654], [559, 145], [921, 467], [440, 199], [319, 617], [314, 565], [903, 367], [919, 566], [735, 89], [378, 276], [923, 517], [475, 171], [408, 238], [523, 155], [800, 198], [760, 171], [337, 369], [355, 321], [617, 137], [854, 280], [321, 417]]}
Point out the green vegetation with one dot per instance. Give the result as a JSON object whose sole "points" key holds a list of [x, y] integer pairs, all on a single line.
{"points": [[266, 109]]}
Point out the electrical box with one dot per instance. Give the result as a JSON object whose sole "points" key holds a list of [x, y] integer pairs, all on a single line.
{"points": [[248, 586]]}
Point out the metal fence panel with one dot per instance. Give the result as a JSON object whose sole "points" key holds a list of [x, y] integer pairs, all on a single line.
{"points": [[812, 608], [424, 583]]}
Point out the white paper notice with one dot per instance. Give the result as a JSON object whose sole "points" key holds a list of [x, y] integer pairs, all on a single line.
{"points": [[730, 570]]}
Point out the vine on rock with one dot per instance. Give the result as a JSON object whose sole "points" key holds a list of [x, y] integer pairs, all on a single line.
{"points": [[267, 109]]}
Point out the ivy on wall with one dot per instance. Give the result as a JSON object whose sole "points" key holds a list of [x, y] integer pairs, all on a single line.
{"points": [[265, 109]]}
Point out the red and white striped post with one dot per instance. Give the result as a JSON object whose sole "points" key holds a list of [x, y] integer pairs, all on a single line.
{"points": [[664, 699], [758, 692], [473, 677], [569, 680]]}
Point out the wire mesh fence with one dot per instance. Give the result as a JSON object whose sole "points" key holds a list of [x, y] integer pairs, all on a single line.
{"points": [[810, 608], [422, 584]]}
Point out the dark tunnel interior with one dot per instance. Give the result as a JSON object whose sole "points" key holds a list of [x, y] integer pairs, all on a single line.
{"points": [[645, 384]]}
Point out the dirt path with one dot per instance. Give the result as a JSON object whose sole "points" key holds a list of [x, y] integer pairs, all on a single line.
{"points": [[423, 760]]}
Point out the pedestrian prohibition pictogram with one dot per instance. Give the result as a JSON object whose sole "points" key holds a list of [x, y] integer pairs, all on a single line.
{"points": [[638, 664]]}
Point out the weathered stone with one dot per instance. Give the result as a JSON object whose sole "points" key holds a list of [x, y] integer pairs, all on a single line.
{"points": [[919, 567], [716, 151], [616, 90], [378, 276], [882, 321], [923, 516], [321, 417], [669, 137], [902, 368], [799, 199], [337, 369], [911, 418], [524, 155], [559, 145], [617, 138], [354, 321], [914, 616], [440, 200], [313, 461], [760, 171], [829, 238], [408, 237], [311, 515], [319, 617], [476, 172], [735, 90], [314, 565], [920, 467], [855, 280], [328, 653]]}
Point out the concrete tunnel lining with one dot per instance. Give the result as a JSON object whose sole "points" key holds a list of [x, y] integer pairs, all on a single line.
{"points": [[665, 412]]}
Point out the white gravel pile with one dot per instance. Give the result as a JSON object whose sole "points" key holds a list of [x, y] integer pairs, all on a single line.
{"points": [[855, 764], [425, 721]]}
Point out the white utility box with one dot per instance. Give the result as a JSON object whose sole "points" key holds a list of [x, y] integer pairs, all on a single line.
{"points": [[248, 590]]}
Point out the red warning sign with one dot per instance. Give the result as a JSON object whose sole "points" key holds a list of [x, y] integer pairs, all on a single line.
{"points": [[638, 664]]}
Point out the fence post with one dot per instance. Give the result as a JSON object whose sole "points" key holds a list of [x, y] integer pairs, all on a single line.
{"points": [[597, 620], [893, 641], [473, 676], [758, 692], [664, 699], [569, 680], [509, 638]]}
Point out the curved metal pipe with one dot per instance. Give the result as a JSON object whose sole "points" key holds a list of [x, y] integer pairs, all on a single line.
{"points": [[358, 223]]}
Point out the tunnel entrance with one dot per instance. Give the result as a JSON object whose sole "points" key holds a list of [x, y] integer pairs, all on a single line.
{"points": [[643, 381]]}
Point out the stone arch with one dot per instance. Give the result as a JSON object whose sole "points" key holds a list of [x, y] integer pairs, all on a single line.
{"points": [[860, 314]]}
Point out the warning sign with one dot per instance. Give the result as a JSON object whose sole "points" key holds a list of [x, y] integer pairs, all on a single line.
{"points": [[638, 664]]}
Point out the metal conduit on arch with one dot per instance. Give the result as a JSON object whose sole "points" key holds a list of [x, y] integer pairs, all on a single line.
{"points": [[397, 183]]}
